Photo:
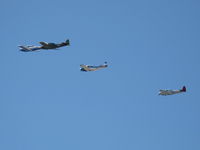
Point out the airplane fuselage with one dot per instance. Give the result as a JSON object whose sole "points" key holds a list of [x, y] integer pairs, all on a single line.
{"points": [[54, 45], [169, 92], [50, 46]]}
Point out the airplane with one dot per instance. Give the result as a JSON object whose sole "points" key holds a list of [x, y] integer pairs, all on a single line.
{"points": [[92, 68], [43, 46], [171, 92], [53, 45], [29, 48]]}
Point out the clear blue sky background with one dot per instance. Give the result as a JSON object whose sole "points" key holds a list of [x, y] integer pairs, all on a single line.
{"points": [[46, 103]]}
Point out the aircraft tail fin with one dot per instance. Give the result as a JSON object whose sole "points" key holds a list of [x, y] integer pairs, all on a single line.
{"points": [[67, 42], [183, 89], [105, 64]]}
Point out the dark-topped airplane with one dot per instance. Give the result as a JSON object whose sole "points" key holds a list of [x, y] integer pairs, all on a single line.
{"points": [[44, 46]]}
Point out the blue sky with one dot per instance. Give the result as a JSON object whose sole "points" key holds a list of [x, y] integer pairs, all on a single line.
{"points": [[46, 103]]}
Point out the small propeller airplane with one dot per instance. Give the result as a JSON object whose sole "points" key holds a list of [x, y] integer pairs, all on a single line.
{"points": [[93, 68], [44, 46], [171, 92]]}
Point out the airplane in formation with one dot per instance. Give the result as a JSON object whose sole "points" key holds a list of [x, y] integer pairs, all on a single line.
{"points": [[172, 92], [44, 46], [87, 68]]}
